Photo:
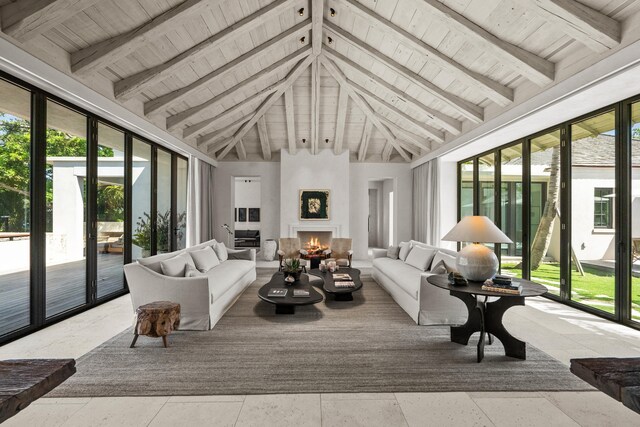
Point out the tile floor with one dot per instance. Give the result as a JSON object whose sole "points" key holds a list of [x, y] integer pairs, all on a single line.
{"points": [[561, 331]]}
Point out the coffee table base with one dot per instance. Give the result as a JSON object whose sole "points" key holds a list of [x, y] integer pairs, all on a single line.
{"points": [[343, 296], [285, 309], [486, 318]]}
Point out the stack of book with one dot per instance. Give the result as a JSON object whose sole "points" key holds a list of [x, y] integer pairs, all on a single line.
{"points": [[341, 276], [345, 284], [300, 293], [502, 284]]}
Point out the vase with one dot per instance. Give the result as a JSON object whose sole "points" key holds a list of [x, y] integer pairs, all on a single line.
{"points": [[294, 274], [269, 249]]}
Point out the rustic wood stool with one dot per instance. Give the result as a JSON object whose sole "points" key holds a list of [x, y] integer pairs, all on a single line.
{"points": [[156, 319]]}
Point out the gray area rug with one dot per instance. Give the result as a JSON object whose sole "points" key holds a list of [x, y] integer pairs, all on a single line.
{"points": [[365, 345]]}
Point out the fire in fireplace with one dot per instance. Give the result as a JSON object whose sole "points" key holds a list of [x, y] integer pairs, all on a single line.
{"points": [[315, 241]]}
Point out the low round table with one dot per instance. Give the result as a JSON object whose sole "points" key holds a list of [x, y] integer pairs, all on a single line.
{"points": [[288, 303], [486, 317], [156, 319]]}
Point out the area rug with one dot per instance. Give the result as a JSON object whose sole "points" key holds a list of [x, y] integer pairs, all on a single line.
{"points": [[365, 345]]}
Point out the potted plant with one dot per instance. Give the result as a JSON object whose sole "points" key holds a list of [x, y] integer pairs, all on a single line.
{"points": [[292, 268]]}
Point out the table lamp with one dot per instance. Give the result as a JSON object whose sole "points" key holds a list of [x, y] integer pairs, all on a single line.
{"points": [[475, 261]]}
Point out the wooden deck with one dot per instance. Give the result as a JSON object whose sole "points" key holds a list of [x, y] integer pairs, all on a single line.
{"points": [[65, 289]]}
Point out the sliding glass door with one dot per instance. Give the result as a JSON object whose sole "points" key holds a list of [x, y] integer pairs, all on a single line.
{"points": [[634, 202], [141, 200], [181, 197], [511, 213]]}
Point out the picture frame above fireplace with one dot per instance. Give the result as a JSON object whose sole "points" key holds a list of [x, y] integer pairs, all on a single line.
{"points": [[314, 205]]}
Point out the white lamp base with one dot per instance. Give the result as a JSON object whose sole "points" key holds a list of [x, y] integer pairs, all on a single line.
{"points": [[477, 262]]}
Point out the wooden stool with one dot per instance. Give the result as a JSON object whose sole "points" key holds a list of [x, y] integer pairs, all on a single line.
{"points": [[156, 319]]}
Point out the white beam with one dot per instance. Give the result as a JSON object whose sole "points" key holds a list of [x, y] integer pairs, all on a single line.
{"points": [[495, 91], [360, 102], [592, 28], [242, 153], [25, 19], [341, 119], [291, 121], [536, 69], [413, 150], [264, 138], [386, 152], [106, 52], [132, 85], [317, 12], [268, 47], [315, 106], [435, 117], [466, 108], [177, 119], [364, 140], [411, 137], [208, 139], [288, 81]]}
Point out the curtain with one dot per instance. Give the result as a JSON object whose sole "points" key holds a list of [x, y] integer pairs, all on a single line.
{"points": [[204, 208], [192, 203], [426, 200]]}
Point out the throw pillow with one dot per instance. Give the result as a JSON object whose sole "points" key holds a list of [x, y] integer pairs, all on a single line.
{"points": [[420, 257], [393, 252], [221, 251], [448, 260], [175, 267], [191, 271], [439, 268], [405, 247], [205, 259], [243, 255]]}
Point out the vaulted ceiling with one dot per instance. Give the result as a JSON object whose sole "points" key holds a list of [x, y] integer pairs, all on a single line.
{"points": [[387, 80]]}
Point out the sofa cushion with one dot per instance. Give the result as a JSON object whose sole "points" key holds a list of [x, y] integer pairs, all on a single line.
{"points": [[191, 271], [405, 247], [439, 268], [393, 252], [449, 260], [175, 266], [221, 251], [420, 257], [226, 275], [405, 276], [205, 259], [244, 254]]}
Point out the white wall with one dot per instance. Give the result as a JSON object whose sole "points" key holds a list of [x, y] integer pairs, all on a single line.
{"points": [[248, 195], [224, 196]]}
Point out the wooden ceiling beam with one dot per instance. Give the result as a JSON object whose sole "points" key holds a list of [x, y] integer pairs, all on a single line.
{"points": [[464, 107], [102, 54], [133, 85], [534, 68], [364, 140], [341, 120], [317, 13], [315, 106], [417, 140], [264, 138], [290, 118], [268, 103], [360, 102], [413, 150], [25, 19], [386, 151], [242, 153], [590, 27], [208, 139], [493, 90], [177, 119], [435, 117]]}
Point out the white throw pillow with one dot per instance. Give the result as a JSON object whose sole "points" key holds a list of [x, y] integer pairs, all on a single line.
{"points": [[420, 258], [405, 247], [448, 260], [191, 271], [175, 267], [221, 251], [439, 268], [393, 252], [205, 259]]}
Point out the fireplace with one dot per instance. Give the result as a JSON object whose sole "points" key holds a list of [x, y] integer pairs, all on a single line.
{"points": [[315, 241]]}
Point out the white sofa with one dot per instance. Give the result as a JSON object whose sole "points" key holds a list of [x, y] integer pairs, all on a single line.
{"points": [[425, 303], [204, 299]]}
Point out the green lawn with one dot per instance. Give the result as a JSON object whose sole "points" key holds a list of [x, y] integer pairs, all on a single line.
{"points": [[595, 288]]}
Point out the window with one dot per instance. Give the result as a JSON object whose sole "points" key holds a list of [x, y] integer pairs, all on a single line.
{"points": [[602, 207]]}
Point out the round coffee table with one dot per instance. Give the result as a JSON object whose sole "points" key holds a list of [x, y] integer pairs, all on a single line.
{"points": [[288, 303], [486, 317], [340, 294]]}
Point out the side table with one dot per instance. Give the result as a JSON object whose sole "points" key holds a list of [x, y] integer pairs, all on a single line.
{"points": [[156, 319]]}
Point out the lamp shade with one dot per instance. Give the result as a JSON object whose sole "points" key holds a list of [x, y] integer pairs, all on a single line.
{"points": [[476, 229]]}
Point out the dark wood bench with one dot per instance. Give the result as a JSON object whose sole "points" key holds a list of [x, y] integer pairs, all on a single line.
{"points": [[617, 377], [24, 380]]}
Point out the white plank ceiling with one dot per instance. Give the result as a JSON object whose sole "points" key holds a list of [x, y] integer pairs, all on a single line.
{"points": [[387, 80]]}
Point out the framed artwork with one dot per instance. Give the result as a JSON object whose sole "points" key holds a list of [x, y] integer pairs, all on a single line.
{"points": [[235, 215], [254, 214], [242, 214], [314, 204]]}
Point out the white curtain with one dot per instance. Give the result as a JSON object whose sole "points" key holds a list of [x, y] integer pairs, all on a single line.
{"points": [[192, 203], [201, 201], [426, 200]]}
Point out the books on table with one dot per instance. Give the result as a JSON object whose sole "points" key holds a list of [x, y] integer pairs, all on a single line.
{"points": [[277, 292], [341, 276], [345, 284], [502, 286], [300, 293]]}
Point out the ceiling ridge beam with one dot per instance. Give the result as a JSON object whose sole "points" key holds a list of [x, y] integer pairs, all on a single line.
{"points": [[102, 54], [417, 140], [497, 92], [317, 14], [534, 68], [290, 119], [386, 151], [263, 135], [341, 119], [268, 103], [364, 140], [25, 19], [590, 27], [315, 105], [434, 134], [450, 124], [360, 101], [464, 107], [179, 118], [242, 153], [134, 84], [209, 123], [208, 139]]}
